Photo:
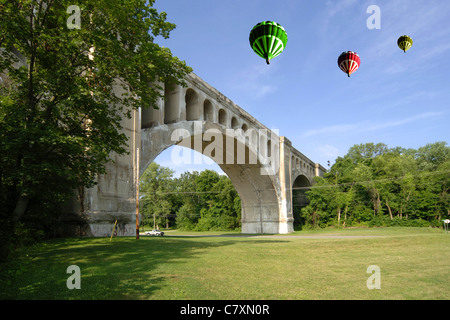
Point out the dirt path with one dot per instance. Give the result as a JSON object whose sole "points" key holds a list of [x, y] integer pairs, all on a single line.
{"points": [[275, 236]]}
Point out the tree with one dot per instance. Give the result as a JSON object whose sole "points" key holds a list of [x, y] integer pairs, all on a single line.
{"points": [[372, 182], [395, 172], [432, 155], [341, 174], [319, 196], [205, 186], [219, 203], [443, 201], [432, 199], [365, 152], [155, 184], [364, 176], [186, 201], [432, 195], [67, 90], [186, 217], [225, 205]]}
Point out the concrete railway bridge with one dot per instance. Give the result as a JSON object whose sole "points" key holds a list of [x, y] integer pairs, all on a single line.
{"points": [[264, 167]]}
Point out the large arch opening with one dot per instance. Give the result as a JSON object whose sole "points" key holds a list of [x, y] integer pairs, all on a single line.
{"points": [[299, 199], [253, 183], [183, 196]]}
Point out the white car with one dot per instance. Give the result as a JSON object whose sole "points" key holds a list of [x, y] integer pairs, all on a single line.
{"points": [[154, 233]]}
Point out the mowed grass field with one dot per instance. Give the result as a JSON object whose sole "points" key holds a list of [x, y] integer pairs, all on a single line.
{"points": [[414, 263]]}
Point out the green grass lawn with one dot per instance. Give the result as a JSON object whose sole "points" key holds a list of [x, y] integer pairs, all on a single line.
{"points": [[325, 264]]}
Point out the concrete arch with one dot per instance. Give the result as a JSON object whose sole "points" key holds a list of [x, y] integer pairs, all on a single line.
{"points": [[301, 181], [260, 198]]}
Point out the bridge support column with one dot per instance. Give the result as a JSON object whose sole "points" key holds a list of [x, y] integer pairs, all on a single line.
{"points": [[114, 197], [286, 224]]}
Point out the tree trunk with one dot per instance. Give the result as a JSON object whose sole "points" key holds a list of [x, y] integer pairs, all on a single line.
{"points": [[406, 204], [347, 204], [389, 208], [21, 207], [378, 202], [6, 234], [8, 227]]}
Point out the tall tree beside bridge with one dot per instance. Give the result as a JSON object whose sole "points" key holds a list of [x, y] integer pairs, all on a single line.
{"points": [[59, 116]]}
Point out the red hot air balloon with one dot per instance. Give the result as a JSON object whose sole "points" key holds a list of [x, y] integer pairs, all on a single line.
{"points": [[349, 62]]}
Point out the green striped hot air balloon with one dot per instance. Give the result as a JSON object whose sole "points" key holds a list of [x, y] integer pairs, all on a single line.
{"points": [[404, 42], [268, 39]]}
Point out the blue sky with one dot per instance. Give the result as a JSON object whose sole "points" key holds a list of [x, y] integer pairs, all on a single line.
{"points": [[400, 99]]}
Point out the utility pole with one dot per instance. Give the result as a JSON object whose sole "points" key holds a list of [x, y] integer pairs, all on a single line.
{"points": [[136, 170], [137, 194]]}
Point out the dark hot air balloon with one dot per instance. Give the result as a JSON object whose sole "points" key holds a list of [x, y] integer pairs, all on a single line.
{"points": [[268, 39], [349, 62], [404, 42]]}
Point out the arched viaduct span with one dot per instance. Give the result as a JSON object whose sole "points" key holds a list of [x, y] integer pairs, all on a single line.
{"points": [[263, 166]]}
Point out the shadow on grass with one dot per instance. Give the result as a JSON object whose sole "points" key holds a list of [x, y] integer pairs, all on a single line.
{"points": [[125, 268]]}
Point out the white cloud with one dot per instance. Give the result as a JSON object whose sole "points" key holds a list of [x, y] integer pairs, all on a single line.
{"points": [[334, 7], [257, 80], [367, 125], [378, 126], [328, 151], [340, 128]]}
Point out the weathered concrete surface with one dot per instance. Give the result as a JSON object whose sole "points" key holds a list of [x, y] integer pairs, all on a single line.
{"points": [[261, 165]]}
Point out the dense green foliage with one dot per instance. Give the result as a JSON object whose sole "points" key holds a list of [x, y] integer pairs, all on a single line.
{"points": [[375, 185], [194, 201], [62, 103]]}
